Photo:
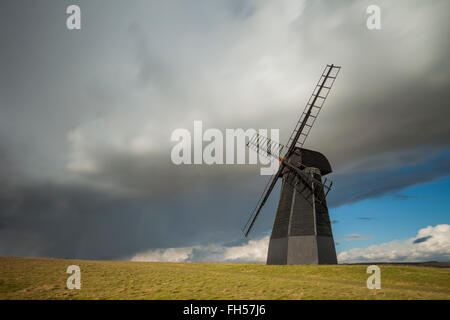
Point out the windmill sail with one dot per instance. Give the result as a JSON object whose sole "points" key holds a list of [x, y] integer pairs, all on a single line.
{"points": [[305, 184], [269, 148], [313, 107], [262, 200], [265, 146]]}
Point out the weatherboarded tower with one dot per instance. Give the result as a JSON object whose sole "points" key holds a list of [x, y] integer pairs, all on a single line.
{"points": [[301, 232]]}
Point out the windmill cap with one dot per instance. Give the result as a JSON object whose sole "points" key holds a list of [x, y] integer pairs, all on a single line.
{"points": [[310, 158]]}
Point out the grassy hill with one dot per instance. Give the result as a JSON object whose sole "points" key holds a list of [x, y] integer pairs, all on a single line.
{"points": [[25, 278]]}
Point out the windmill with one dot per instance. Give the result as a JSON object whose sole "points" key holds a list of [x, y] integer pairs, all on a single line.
{"points": [[301, 231]]}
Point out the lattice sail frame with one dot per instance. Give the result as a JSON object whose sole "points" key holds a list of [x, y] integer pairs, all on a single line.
{"points": [[316, 100], [265, 146]]}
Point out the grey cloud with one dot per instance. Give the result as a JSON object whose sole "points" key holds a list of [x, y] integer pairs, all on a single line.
{"points": [[420, 240], [375, 125], [365, 218], [356, 237], [403, 196], [362, 184], [73, 221]]}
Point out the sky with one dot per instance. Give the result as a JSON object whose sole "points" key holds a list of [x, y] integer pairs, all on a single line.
{"points": [[86, 118]]}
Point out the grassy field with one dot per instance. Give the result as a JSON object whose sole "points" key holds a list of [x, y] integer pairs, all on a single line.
{"points": [[25, 278]]}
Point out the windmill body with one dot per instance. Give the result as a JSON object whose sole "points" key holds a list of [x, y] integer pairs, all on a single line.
{"points": [[302, 230]]}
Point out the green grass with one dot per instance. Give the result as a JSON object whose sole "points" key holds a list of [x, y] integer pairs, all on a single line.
{"points": [[25, 278]]}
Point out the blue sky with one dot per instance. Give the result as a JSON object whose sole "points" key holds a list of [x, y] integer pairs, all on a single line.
{"points": [[397, 216]]}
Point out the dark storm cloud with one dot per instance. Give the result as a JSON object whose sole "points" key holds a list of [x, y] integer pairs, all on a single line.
{"points": [[378, 123], [403, 196], [359, 185], [78, 222], [420, 240], [86, 116]]}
